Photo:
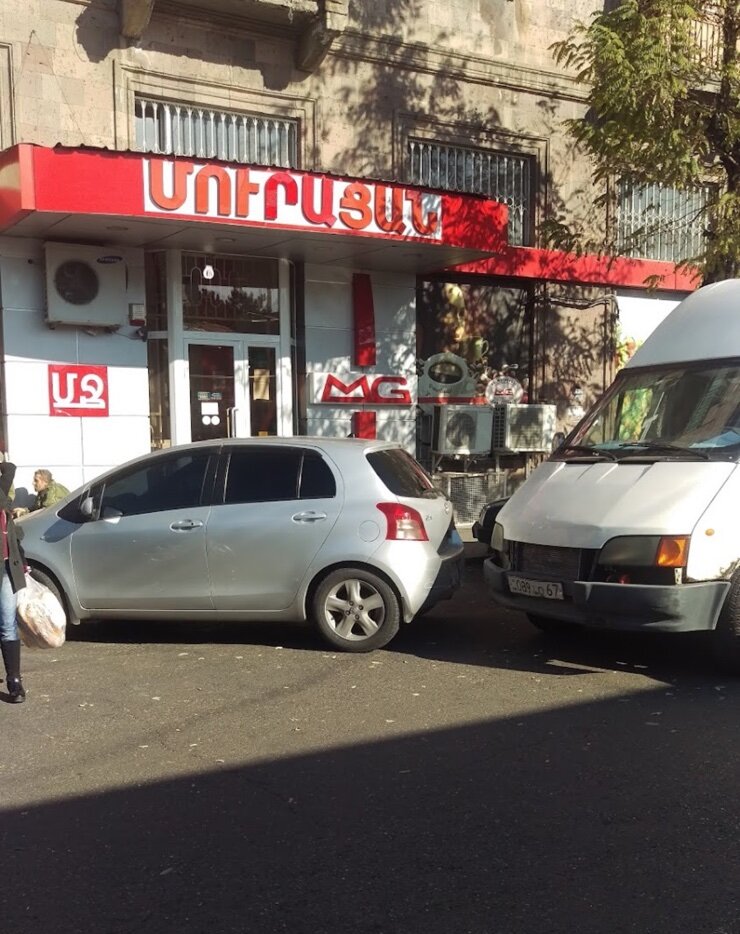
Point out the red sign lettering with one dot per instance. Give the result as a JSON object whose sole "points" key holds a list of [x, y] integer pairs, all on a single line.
{"points": [[370, 390]]}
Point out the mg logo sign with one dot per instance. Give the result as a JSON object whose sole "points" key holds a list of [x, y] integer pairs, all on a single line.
{"points": [[78, 390], [361, 389]]}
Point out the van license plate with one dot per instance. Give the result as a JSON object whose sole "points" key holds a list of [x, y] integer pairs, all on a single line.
{"points": [[529, 588]]}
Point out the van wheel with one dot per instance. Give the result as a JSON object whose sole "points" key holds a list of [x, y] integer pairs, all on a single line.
{"points": [[551, 626], [355, 610], [726, 637]]}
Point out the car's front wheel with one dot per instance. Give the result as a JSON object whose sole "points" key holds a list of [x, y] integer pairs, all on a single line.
{"points": [[356, 610]]}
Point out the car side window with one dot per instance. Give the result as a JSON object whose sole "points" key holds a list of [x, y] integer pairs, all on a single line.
{"points": [[317, 480], [174, 482], [263, 475]]}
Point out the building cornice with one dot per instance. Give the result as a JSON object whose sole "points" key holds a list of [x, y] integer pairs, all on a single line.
{"points": [[418, 57]]}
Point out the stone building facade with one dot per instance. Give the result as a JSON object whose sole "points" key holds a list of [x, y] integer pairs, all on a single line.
{"points": [[459, 97]]}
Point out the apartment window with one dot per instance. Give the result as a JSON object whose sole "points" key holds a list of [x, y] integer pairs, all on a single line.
{"points": [[661, 222], [200, 132], [501, 176]]}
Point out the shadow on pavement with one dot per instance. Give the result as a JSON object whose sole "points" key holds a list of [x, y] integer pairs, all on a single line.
{"points": [[468, 629], [614, 817]]}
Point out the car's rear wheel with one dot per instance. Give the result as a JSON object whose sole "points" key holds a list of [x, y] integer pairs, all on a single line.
{"points": [[356, 610]]}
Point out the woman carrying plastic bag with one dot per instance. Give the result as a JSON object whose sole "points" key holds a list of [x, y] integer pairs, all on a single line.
{"points": [[13, 581]]}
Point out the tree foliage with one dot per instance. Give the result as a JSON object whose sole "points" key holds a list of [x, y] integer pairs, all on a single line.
{"points": [[663, 107]]}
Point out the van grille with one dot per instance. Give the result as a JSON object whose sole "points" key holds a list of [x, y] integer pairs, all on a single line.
{"points": [[547, 561]]}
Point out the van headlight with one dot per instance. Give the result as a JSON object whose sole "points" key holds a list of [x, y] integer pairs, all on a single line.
{"points": [[497, 537], [663, 551]]}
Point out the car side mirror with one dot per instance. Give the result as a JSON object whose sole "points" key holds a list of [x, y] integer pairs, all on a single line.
{"points": [[87, 508]]}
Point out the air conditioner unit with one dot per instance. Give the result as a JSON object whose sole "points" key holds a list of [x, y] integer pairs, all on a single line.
{"points": [[85, 285], [522, 428], [462, 429]]}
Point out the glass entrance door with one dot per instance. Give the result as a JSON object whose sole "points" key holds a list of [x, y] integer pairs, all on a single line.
{"points": [[233, 389]]}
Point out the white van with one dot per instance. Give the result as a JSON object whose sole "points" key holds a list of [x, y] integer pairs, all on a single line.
{"points": [[634, 522]]}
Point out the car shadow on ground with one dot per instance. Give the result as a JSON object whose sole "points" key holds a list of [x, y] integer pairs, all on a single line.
{"points": [[472, 630], [467, 629]]}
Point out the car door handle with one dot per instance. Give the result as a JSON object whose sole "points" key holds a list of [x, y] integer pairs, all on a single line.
{"points": [[308, 516], [185, 525]]}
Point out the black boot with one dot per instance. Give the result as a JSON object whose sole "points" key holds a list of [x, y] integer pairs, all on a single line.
{"points": [[12, 658]]}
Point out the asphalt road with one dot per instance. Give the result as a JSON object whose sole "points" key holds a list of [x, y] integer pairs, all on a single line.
{"points": [[474, 777]]}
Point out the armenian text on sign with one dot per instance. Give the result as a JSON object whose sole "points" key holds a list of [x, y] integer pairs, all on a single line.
{"points": [[78, 390]]}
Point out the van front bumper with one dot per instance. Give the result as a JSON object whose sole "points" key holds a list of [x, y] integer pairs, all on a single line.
{"points": [[628, 607]]}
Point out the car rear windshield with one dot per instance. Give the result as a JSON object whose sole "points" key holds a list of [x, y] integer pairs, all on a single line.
{"points": [[401, 473]]}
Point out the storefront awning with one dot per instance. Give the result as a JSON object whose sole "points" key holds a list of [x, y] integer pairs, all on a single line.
{"points": [[155, 202]]}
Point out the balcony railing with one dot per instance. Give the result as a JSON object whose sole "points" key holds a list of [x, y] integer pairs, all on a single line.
{"points": [[187, 130]]}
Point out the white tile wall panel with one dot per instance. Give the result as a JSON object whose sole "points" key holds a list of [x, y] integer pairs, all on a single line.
{"points": [[328, 424], [27, 387], [328, 349], [41, 439], [128, 391], [115, 440], [329, 305]]}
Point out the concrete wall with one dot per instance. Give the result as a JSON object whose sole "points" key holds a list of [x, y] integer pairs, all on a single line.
{"points": [[471, 70]]}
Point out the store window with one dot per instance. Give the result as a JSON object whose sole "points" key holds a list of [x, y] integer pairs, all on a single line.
{"points": [[230, 294], [483, 325], [662, 222], [159, 395], [184, 129], [501, 176]]}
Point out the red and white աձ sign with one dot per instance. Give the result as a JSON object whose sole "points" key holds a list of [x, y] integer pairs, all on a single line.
{"points": [[78, 390]]}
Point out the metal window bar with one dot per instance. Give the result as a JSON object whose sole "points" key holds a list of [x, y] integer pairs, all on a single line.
{"points": [[706, 34], [661, 222], [178, 129], [500, 176]]}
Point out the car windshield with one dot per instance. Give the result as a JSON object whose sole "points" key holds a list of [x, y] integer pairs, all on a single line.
{"points": [[661, 413]]}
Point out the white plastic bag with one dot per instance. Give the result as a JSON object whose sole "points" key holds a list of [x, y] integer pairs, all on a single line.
{"points": [[41, 617]]}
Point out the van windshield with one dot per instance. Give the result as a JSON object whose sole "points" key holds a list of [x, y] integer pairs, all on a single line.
{"points": [[660, 413]]}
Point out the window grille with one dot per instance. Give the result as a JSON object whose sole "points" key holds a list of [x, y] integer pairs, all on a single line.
{"points": [[500, 176], [188, 130], [706, 34], [661, 222]]}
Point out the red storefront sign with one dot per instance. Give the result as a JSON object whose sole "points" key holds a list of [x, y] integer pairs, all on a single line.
{"points": [[354, 389], [78, 390]]}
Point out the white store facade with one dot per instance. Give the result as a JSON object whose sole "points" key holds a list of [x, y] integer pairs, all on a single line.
{"points": [[149, 301]]}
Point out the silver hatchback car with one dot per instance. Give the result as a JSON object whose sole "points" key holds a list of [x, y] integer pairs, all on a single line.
{"points": [[351, 534]]}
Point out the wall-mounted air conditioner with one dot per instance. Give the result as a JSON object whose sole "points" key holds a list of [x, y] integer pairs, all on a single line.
{"points": [[462, 429], [523, 428], [85, 285]]}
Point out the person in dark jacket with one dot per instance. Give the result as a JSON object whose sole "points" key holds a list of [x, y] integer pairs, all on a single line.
{"points": [[13, 580]]}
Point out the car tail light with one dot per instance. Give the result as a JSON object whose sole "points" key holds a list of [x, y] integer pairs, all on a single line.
{"points": [[404, 523]]}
